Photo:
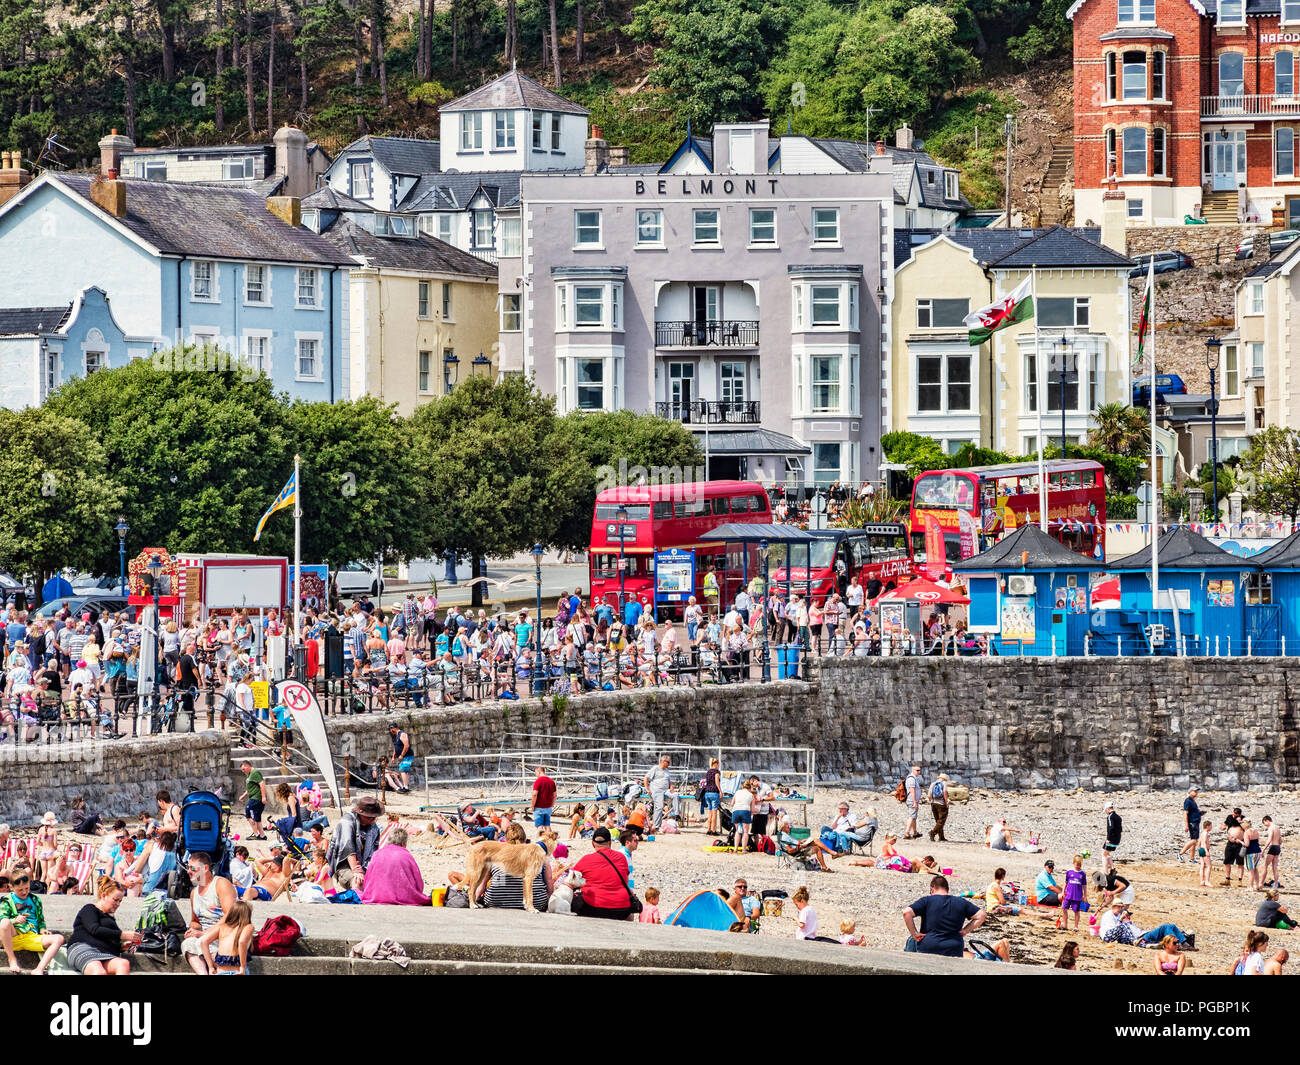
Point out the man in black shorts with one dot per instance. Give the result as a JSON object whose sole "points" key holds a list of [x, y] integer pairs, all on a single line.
{"points": [[1234, 848]]}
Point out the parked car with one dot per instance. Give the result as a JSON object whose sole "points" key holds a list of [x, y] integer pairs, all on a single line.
{"points": [[1166, 384], [1276, 242], [89, 584], [94, 604], [1166, 261], [358, 578]]}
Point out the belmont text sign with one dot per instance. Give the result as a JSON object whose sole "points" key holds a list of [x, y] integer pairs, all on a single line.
{"points": [[705, 186]]}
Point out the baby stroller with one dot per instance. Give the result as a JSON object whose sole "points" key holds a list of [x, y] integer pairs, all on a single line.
{"points": [[204, 828]]}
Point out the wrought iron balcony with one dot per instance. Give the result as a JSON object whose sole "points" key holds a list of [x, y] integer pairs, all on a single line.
{"points": [[711, 412], [1250, 105], [710, 332]]}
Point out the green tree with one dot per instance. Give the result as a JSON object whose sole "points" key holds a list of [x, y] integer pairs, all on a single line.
{"points": [[918, 453], [199, 454], [359, 488], [1273, 460], [493, 475], [58, 500], [609, 447], [710, 53]]}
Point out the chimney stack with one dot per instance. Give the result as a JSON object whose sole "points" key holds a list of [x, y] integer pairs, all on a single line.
{"points": [[291, 161], [13, 177], [1114, 219], [597, 153], [903, 138], [880, 147], [619, 156], [286, 208], [111, 150]]}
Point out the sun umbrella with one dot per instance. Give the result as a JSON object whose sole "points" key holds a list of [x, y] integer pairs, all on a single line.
{"points": [[923, 591]]}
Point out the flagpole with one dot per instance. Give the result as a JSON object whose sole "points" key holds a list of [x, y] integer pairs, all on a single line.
{"points": [[1155, 487], [297, 555], [1040, 376]]}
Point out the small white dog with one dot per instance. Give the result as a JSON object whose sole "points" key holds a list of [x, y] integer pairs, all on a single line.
{"points": [[562, 896]]}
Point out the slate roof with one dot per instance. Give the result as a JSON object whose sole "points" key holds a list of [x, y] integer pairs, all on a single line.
{"points": [[452, 192], [514, 90], [754, 442], [330, 199], [1044, 553], [400, 155], [1182, 549], [1284, 555], [32, 321], [203, 220], [999, 247], [405, 253]]}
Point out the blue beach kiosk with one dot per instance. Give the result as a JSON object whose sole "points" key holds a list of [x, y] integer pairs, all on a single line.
{"points": [[1273, 599], [1202, 594], [1029, 594]]}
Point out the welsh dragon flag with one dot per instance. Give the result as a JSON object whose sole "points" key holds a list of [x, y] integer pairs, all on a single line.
{"points": [[1009, 310], [1144, 319]]}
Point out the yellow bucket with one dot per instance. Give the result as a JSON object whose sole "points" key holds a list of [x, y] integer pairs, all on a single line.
{"points": [[438, 896]]}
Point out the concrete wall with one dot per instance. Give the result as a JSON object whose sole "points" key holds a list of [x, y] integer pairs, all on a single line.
{"points": [[119, 777]]}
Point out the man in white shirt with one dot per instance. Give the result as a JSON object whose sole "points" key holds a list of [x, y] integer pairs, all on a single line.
{"points": [[853, 595], [913, 786], [246, 709], [743, 604]]}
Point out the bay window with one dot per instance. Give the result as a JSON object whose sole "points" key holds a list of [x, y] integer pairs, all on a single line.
{"points": [[825, 378], [825, 305], [1157, 152], [594, 305], [826, 462], [589, 384], [588, 379], [825, 301], [1231, 371], [1134, 81], [1135, 151], [1111, 78], [1157, 75]]}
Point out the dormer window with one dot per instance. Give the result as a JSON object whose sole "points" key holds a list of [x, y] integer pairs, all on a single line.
{"points": [[1232, 12], [950, 189], [471, 131], [1137, 12], [154, 171], [393, 225], [359, 179], [237, 169]]}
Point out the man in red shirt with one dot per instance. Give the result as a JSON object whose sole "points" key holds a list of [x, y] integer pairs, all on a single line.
{"points": [[543, 799], [604, 891]]}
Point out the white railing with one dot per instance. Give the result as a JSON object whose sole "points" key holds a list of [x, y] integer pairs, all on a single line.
{"points": [[1248, 105]]}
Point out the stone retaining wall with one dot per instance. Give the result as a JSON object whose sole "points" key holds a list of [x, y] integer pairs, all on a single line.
{"points": [[119, 777], [1096, 723]]}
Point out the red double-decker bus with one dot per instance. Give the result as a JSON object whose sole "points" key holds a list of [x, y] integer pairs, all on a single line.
{"points": [[975, 507], [876, 554], [649, 518]]}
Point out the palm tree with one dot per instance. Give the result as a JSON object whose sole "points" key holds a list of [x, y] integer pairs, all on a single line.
{"points": [[1121, 429]]}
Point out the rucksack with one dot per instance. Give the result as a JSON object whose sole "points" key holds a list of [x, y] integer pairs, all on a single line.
{"points": [[765, 845], [936, 790], [900, 792], [277, 937], [161, 914]]}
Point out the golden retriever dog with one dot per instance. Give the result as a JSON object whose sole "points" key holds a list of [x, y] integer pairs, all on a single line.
{"points": [[523, 860]]}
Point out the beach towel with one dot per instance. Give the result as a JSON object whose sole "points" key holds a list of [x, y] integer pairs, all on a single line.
{"points": [[377, 949], [394, 879]]}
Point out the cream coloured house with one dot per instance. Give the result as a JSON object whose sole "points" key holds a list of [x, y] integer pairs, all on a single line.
{"points": [[1258, 365], [987, 395]]}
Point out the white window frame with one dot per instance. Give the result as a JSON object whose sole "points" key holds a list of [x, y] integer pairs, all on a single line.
{"points": [[696, 223], [1124, 151], [581, 227], [512, 321], [1256, 359], [265, 301], [424, 372], [471, 131], [314, 302], [813, 303], [796, 307], [733, 387], [52, 357], [204, 336], [1230, 372], [1159, 72], [1278, 75], [1290, 11], [214, 275], [561, 308], [579, 385], [951, 185], [1232, 13], [837, 407], [447, 306], [1241, 58], [610, 303], [262, 360], [512, 237], [925, 315], [244, 165], [555, 131], [539, 131], [1125, 67], [154, 171], [1159, 152], [298, 340], [503, 130], [444, 226], [944, 384], [101, 361], [1140, 12], [826, 226], [835, 472], [1081, 317], [361, 166], [762, 242], [1278, 155], [650, 218], [1254, 297]]}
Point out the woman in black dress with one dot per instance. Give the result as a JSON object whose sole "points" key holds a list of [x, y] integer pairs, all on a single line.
{"points": [[97, 944]]}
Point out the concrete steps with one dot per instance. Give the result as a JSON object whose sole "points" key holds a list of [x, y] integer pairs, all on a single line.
{"points": [[1058, 169], [1220, 208]]}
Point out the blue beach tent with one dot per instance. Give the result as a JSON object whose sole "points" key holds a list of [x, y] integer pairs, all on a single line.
{"points": [[704, 909]]}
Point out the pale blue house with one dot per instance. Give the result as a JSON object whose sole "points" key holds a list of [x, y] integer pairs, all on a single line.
{"points": [[219, 267]]}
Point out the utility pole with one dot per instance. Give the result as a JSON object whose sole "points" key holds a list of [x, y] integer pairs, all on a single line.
{"points": [[1008, 130]]}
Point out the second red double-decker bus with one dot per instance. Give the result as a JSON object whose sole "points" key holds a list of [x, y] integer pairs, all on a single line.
{"points": [[977, 506], [644, 519]]}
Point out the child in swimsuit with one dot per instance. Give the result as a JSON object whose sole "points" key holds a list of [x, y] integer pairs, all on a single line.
{"points": [[232, 937]]}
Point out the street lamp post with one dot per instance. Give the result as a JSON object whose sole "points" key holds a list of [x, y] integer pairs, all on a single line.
{"points": [[155, 568], [1212, 346], [763, 548], [621, 516], [121, 528], [450, 371], [539, 682], [480, 365]]}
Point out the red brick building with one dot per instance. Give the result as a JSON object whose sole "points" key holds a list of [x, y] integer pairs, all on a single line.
{"points": [[1187, 105]]}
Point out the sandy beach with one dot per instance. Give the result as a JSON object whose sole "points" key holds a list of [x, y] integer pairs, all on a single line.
{"points": [[1066, 822]]}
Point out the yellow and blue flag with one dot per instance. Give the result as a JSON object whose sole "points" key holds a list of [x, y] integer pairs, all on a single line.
{"points": [[288, 494]]}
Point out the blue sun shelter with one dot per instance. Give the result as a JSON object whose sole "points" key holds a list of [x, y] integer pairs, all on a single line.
{"points": [[1029, 594], [1202, 593], [1272, 606], [704, 909]]}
